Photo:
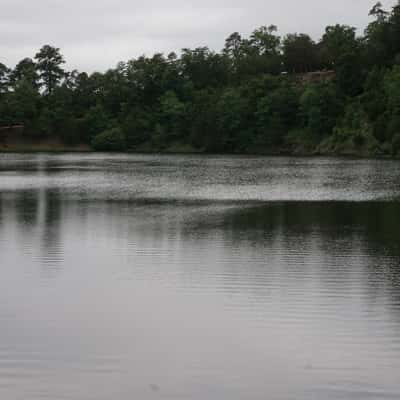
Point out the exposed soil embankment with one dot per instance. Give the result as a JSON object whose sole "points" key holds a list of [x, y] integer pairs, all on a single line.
{"points": [[14, 140]]}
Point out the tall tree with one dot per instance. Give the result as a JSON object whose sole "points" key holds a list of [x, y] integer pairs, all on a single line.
{"points": [[25, 71], [265, 40], [233, 45], [49, 61], [263, 50], [378, 12], [204, 67], [337, 41], [299, 53], [4, 78]]}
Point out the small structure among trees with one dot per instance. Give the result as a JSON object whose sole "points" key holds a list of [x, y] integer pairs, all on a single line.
{"points": [[317, 76], [259, 93]]}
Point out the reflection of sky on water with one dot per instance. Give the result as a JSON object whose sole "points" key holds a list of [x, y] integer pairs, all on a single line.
{"points": [[202, 178], [198, 298]]}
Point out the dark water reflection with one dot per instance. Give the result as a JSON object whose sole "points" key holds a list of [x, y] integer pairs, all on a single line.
{"points": [[139, 277]]}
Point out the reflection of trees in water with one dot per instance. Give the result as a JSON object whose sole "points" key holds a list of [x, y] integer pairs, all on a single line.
{"points": [[51, 246], [321, 240], [20, 207], [38, 215], [376, 224], [356, 243], [1, 209], [26, 208]]}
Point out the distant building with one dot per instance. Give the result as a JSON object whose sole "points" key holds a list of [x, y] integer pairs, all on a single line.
{"points": [[317, 76]]}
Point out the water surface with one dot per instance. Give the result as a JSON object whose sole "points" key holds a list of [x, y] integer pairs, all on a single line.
{"points": [[195, 277]]}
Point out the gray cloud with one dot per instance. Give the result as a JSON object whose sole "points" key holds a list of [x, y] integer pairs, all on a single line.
{"points": [[96, 34]]}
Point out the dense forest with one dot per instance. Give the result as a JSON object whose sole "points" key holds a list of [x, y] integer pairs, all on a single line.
{"points": [[260, 94]]}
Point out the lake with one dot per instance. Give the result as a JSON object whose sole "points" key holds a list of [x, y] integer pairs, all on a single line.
{"points": [[198, 277]]}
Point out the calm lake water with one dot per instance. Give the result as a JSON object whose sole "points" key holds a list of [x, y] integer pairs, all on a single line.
{"points": [[198, 278]]}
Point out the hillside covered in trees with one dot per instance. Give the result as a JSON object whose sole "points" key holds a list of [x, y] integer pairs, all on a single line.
{"points": [[257, 95]]}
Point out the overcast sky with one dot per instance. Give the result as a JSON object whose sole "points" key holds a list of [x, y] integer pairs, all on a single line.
{"points": [[96, 34]]}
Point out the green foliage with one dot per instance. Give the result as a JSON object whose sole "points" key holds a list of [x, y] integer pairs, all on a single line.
{"points": [[49, 61], [4, 78], [95, 121], [396, 144], [337, 41], [203, 117], [26, 101], [231, 113], [203, 67], [300, 54], [265, 40], [275, 114], [25, 72], [393, 127], [259, 94], [354, 123], [137, 127], [320, 107], [172, 115], [392, 90], [353, 134], [110, 140]]}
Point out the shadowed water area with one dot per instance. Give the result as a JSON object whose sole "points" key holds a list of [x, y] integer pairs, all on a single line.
{"points": [[199, 277]]}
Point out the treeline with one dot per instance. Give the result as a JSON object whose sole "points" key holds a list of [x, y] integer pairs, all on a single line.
{"points": [[256, 95]]}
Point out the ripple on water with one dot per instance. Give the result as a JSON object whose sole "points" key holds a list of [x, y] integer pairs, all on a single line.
{"points": [[136, 276]]}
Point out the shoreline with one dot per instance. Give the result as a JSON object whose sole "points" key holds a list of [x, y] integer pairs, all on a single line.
{"points": [[85, 149]]}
